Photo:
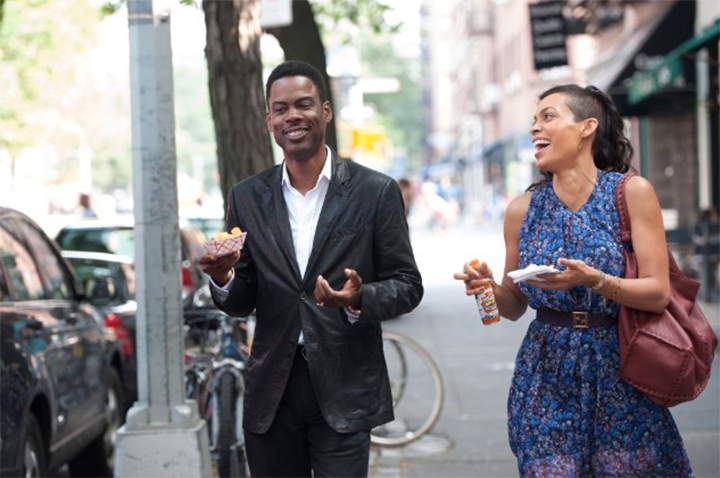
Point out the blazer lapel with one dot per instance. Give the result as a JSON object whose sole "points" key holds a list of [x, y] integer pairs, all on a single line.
{"points": [[279, 221], [335, 199]]}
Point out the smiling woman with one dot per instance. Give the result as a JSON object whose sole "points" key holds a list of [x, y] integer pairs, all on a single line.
{"points": [[568, 219]]}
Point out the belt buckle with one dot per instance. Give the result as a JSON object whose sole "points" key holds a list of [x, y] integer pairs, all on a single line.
{"points": [[580, 320]]}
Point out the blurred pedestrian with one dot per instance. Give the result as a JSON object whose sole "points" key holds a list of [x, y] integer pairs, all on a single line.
{"points": [[86, 210], [406, 190], [569, 412], [327, 258], [706, 239]]}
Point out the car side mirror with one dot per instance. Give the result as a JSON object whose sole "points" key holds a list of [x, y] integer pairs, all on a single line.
{"points": [[100, 290]]}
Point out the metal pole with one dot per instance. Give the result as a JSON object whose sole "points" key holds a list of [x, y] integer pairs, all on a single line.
{"points": [[163, 435]]}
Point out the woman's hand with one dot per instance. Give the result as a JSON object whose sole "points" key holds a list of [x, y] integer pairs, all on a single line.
{"points": [[576, 273], [474, 273]]}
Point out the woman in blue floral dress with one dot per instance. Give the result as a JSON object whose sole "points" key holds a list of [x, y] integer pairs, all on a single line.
{"points": [[570, 415]]}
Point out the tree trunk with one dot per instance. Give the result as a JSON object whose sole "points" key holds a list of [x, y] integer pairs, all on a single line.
{"points": [[237, 96], [301, 41]]}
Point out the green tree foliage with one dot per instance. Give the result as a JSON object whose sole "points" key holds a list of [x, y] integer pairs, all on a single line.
{"points": [[40, 46], [343, 19], [400, 113]]}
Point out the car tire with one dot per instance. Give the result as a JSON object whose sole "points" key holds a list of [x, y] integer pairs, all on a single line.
{"points": [[97, 459], [33, 459]]}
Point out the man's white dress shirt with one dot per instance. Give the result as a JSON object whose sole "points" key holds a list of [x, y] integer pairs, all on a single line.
{"points": [[304, 212]]}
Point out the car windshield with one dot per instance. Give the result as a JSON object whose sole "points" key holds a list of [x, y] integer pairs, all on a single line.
{"points": [[113, 241]]}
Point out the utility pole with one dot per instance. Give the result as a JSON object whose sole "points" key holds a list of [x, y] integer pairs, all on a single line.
{"points": [[163, 435]]}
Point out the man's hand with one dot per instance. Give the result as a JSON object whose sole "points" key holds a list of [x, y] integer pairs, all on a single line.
{"points": [[349, 295], [219, 268]]}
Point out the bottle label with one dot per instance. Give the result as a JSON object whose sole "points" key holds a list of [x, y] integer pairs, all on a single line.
{"points": [[487, 306]]}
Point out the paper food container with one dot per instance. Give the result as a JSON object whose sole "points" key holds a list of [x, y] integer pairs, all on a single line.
{"points": [[225, 246]]}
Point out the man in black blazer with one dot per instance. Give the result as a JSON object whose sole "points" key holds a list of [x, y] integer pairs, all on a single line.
{"points": [[326, 259]]}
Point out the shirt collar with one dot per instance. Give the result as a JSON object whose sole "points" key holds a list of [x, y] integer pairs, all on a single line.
{"points": [[325, 173]]}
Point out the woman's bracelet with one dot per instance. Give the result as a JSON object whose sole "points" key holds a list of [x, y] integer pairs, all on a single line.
{"points": [[617, 289], [600, 282]]}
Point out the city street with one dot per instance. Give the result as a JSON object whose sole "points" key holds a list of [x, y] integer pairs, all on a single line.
{"points": [[470, 440]]}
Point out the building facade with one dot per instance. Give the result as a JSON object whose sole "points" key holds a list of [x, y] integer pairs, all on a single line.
{"points": [[657, 59]]}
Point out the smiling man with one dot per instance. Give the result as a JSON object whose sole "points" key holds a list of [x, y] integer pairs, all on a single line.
{"points": [[326, 259]]}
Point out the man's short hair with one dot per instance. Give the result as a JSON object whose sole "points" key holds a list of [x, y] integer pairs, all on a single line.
{"points": [[296, 68]]}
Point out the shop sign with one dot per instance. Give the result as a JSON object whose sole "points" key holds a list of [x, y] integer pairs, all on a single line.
{"points": [[549, 34], [649, 82]]}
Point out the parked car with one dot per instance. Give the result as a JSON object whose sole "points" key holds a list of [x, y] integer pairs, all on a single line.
{"points": [[109, 283], [119, 239], [209, 226], [60, 368]]}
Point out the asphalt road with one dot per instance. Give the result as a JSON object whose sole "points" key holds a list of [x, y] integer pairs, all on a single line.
{"points": [[470, 440]]}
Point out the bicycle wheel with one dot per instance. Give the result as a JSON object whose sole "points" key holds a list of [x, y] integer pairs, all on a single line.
{"points": [[417, 389], [229, 446]]}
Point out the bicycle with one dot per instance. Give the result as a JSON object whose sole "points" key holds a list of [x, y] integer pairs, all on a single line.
{"points": [[216, 358], [417, 390]]}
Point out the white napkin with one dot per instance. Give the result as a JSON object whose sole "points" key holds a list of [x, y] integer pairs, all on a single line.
{"points": [[531, 272]]}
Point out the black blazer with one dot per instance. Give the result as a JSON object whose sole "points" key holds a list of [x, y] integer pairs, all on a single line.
{"points": [[362, 226]]}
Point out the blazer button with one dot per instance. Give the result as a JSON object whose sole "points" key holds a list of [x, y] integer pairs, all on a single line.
{"points": [[303, 296]]}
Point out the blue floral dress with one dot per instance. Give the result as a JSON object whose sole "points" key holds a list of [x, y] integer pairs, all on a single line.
{"points": [[569, 414]]}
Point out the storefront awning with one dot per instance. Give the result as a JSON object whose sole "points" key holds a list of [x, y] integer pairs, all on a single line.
{"points": [[671, 25], [606, 73], [669, 69]]}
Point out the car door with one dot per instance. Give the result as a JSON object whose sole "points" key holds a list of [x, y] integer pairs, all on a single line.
{"points": [[73, 355]]}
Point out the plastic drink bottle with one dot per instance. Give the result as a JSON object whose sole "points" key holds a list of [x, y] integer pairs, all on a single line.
{"points": [[487, 307]]}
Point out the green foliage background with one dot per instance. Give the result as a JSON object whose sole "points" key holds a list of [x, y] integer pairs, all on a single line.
{"points": [[57, 97]]}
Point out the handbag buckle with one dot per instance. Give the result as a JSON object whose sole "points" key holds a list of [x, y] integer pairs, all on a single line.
{"points": [[580, 320]]}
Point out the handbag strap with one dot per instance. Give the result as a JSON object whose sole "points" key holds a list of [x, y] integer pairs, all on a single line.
{"points": [[621, 205]]}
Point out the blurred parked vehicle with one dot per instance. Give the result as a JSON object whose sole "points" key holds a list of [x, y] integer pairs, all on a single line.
{"points": [[209, 226], [60, 368], [109, 283], [112, 238]]}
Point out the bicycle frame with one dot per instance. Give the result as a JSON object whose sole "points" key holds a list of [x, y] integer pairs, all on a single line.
{"points": [[214, 377], [229, 359]]}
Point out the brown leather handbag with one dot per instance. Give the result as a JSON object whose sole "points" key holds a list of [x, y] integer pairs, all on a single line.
{"points": [[665, 356]]}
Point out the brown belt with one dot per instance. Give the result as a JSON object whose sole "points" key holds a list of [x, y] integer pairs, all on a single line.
{"points": [[576, 320]]}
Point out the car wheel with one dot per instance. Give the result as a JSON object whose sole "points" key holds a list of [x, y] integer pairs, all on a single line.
{"points": [[97, 459], [33, 450], [115, 416]]}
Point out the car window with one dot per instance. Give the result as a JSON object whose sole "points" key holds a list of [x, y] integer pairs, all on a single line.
{"points": [[113, 241], [52, 271], [88, 269], [23, 280]]}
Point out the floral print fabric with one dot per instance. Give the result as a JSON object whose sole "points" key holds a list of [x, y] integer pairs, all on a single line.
{"points": [[569, 414]]}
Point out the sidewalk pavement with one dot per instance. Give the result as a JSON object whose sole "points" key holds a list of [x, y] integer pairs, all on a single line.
{"points": [[436, 455], [470, 439]]}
